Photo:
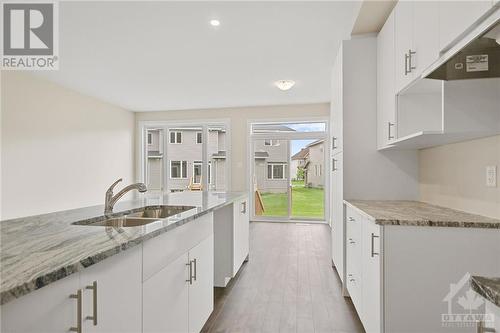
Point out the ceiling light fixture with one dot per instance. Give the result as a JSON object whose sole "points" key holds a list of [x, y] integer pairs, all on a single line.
{"points": [[214, 23], [284, 84]]}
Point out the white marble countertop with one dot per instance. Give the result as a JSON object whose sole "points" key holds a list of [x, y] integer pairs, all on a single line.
{"points": [[38, 250], [415, 213]]}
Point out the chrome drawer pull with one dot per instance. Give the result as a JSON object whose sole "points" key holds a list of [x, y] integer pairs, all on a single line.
{"points": [[190, 272], [93, 287], [373, 241], [194, 277], [78, 297]]}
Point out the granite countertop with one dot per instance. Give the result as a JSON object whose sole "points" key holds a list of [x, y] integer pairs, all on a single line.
{"points": [[415, 213], [487, 287], [38, 250]]}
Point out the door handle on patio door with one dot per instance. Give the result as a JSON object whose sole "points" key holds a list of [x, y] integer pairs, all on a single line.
{"points": [[334, 167]]}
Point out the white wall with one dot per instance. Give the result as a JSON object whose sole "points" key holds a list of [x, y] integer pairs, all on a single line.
{"points": [[59, 149], [239, 118], [454, 176]]}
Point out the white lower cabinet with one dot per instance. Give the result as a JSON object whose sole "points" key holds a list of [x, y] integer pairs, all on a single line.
{"points": [[112, 282], [165, 294], [179, 296], [363, 263], [241, 233], [47, 310], [201, 291]]}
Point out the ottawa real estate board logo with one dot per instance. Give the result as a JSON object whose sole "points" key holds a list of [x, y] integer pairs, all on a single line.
{"points": [[29, 36]]}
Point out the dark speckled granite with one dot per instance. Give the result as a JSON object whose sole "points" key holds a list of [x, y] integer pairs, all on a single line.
{"points": [[38, 250], [487, 287], [415, 213]]}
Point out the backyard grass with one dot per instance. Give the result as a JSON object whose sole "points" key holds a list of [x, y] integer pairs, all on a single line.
{"points": [[306, 202]]}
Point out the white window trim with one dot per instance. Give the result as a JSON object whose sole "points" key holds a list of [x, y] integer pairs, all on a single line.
{"points": [[272, 164], [170, 137], [181, 170]]}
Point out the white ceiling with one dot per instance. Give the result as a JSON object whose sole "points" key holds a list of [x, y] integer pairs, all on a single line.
{"points": [[148, 56]]}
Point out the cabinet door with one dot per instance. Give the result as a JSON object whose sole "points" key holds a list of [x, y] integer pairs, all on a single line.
{"points": [[47, 310], [386, 97], [201, 291], [336, 105], [372, 287], [403, 42], [425, 36], [118, 280], [240, 233], [455, 17], [165, 299], [337, 213], [354, 274]]}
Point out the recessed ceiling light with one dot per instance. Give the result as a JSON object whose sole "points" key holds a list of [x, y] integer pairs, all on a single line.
{"points": [[214, 23], [284, 84]]}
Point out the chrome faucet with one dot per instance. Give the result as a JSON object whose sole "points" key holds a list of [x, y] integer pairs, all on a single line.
{"points": [[111, 200]]}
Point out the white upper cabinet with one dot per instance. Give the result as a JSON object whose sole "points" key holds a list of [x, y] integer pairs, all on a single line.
{"points": [[386, 103], [425, 36], [336, 105], [456, 16], [403, 43]]}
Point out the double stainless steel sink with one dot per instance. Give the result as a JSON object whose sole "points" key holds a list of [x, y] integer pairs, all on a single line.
{"points": [[143, 216]]}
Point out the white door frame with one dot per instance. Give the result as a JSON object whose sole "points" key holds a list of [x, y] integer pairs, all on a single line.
{"points": [[289, 137]]}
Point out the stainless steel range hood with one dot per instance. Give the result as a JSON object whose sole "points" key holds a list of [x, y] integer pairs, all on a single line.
{"points": [[478, 59]]}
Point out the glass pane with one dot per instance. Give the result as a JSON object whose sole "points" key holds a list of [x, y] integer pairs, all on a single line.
{"points": [[308, 181], [184, 169], [179, 137], [175, 169], [289, 127], [270, 179], [217, 168], [154, 159], [197, 172], [172, 137]]}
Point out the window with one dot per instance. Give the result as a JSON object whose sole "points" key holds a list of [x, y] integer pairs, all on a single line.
{"points": [[276, 171], [198, 137], [150, 138], [178, 169], [197, 172], [175, 137], [269, 142]]}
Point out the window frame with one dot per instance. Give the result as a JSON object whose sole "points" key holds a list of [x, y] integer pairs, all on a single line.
{"points": [[272, 165], [182, 163], [176, 137]]}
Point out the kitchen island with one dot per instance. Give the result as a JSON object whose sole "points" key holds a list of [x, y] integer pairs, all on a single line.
{"points": [[47, 257]]}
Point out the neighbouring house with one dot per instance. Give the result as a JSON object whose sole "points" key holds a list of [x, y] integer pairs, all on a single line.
{"points": [[315, 164], [179, 166], [298, 161], [271, 161]]}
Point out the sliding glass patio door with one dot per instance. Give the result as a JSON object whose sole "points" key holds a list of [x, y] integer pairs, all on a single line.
{"points": [[288, 173]]}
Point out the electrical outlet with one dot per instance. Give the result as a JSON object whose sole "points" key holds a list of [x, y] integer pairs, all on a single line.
{"points": [[491, 176]]}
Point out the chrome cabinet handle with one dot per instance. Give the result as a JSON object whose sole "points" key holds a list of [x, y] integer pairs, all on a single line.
{"points": [[194, 277], [334, 167], [389, 125], [351, 219], [351, 241], [410, 54], [244, 207], [190, 272], [93, 287], [406, 64], [373, 245], [333, 143], [481, 329], [78, 297]]}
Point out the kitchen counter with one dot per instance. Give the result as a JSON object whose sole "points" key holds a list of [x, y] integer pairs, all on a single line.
{"points": [[38, 250], [487, 287], [415, 213]]}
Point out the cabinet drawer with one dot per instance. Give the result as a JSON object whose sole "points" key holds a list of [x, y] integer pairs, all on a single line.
{"points": [[354, 288], [164, 249]]}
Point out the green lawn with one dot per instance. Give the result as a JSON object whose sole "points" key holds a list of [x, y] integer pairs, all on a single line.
{"points": [[306, 202]]}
